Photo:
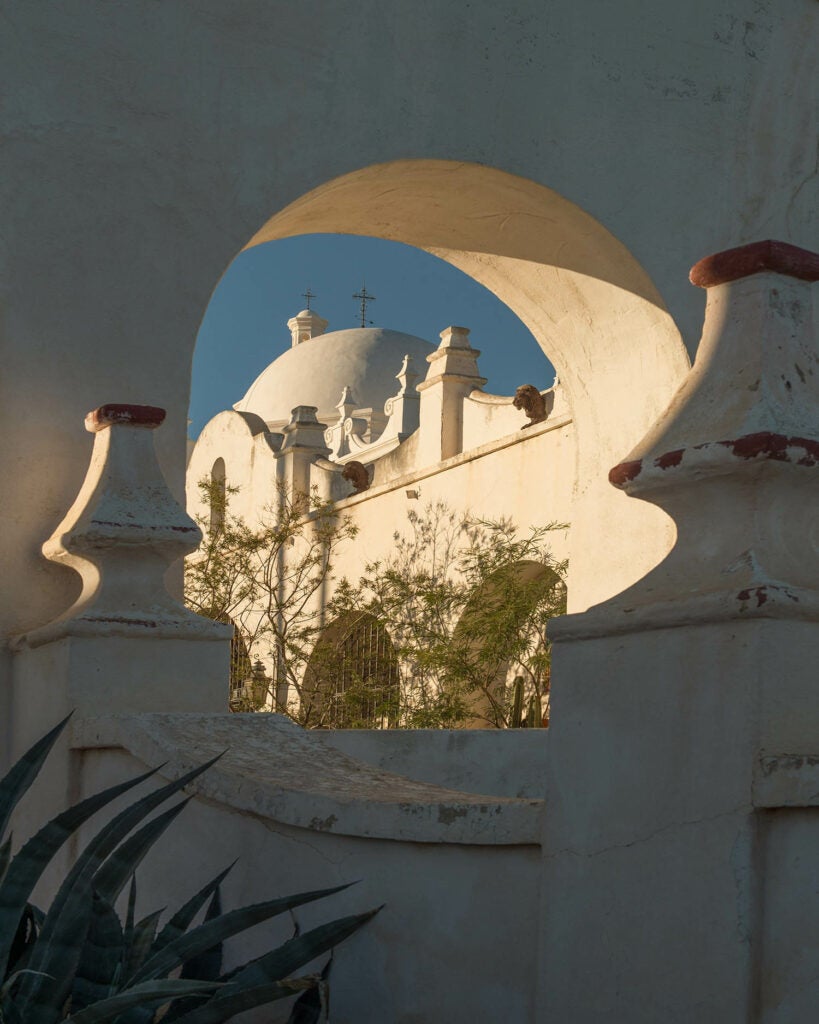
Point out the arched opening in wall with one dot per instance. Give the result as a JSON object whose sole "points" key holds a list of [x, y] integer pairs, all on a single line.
{"points": [[501, 647], [586, 300], [583, 297], [352, 679]]}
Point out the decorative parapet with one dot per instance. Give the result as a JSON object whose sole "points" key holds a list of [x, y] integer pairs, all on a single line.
{"points": [[347, 437], [303, 443], [338, 436], [735, 459], [121, 534], [452, 375], [403, 409]]}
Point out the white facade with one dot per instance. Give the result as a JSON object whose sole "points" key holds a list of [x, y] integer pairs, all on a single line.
{"points": [[649, 857], [428, 433]]}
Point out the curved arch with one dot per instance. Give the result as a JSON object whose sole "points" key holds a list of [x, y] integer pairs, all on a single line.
{"points": [[585, 297], [352, 678], [503, 629]]}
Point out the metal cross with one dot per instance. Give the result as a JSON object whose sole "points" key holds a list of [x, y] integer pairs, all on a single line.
{"points": [[365, 298], [308, 295]]}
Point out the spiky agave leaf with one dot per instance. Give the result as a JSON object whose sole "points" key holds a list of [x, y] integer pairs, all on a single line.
{"points": [[112, 877], [100, 957], [150, 993], [207, 966], [30, 861], [311, 1006], [21, 775], [55, 952], [177, 926], [211, 932], [141, 942], [24, 939], [181, 920], [268, 977], [5, 856]]}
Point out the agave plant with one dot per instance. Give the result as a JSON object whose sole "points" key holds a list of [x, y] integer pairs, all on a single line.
{"points": [[80, 962]]}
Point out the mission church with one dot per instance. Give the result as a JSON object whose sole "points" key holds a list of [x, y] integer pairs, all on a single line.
{"points": [[380, 423]]}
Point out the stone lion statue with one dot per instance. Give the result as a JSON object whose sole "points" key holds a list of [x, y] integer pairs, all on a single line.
{"points": [[528, 398], [356, 474]]}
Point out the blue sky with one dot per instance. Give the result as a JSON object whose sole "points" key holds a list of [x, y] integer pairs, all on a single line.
{"points": [[245, 325]]}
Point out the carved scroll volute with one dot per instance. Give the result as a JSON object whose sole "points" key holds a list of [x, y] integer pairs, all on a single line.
{"points": [[121, 534]]}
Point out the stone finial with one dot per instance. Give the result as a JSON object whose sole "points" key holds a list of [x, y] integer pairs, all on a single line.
{"points": [[454, 358], [358, 475], [304, 430], [306, 325], [121, 534], [528, 398], [336, 436], [403, 408], [407, 377], [346, 403], [735, 459]]}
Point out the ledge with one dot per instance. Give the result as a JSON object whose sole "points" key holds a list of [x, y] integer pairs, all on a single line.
{"points": [[461, 459], [787, 780], [276, 770]]}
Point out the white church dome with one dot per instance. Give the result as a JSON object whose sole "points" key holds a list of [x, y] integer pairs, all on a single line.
{"points": [[317, 368]]}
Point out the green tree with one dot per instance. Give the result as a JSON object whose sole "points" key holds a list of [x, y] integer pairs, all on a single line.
{"points": [[267, 580], [466, 602]]}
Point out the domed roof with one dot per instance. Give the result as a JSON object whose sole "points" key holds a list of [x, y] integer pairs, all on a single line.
{"points": [[366, 359]]}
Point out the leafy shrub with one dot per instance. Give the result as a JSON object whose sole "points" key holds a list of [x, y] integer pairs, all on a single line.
{"points": [[79, 962]]}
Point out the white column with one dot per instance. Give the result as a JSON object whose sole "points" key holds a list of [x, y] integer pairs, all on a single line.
{"points": [[687, 707], [452, 375]]}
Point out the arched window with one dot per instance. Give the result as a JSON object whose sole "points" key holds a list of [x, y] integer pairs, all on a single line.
{"points": [[502, 639], [352, 680], [218, 495]]}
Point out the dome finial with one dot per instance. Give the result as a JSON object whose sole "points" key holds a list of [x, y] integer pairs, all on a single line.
{"points": [[308, 295], [306, 325], [365, 297]]}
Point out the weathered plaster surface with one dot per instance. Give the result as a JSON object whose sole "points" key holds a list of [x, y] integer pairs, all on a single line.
{"points": [[263, 772], [445, 946]]}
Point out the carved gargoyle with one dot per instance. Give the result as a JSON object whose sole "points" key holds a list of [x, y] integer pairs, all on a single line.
{"points": [[357, 474], [528, 398]]}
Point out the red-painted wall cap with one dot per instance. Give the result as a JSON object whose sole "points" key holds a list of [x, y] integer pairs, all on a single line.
{"points": [[131, 415], [733, 264]]}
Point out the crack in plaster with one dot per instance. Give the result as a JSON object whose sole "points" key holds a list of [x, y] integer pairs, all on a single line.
{"points": [[574, 852]]}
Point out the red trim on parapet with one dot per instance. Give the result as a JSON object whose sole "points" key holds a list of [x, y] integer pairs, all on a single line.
{"points": [[625, 472], [113, 414], [775, 257], [799, 451]]}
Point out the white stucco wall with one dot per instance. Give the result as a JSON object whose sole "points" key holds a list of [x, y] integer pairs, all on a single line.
{"points": [[146, 144]]}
